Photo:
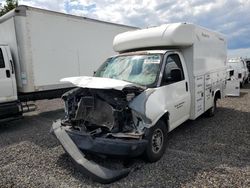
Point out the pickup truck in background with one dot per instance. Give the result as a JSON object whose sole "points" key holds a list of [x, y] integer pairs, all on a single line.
{"points": [[162, 77], [232, 84], [247, 60], [39, 47]]}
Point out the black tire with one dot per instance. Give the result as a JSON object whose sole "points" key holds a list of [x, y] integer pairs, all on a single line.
{"points": [[212, 111], [157, 140], [242, 84]]}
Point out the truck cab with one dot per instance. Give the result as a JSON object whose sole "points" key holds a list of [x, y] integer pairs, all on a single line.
{"points": [[240, 69], [165, 78], [8, 92]]}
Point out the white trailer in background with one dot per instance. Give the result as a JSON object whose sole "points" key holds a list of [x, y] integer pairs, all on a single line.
{"points": [[162, 77], [39, 47]]}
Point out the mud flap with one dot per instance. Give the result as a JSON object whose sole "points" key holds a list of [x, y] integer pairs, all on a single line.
{"points": [[95, 171]]}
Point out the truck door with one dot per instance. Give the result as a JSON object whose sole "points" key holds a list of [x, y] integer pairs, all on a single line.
{"points": [[175, 86], [8, 90]]}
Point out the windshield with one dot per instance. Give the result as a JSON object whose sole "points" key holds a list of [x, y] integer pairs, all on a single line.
{"points": [[139, 69]]}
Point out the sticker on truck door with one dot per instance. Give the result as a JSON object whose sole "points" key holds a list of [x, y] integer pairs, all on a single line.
{"points": [[199, 95], [208, 92], [24, 78]]}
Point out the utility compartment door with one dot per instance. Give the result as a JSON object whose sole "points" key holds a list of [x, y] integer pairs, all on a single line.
{"points": [[7, 77], [233, 88], [199, 95], [208, 92]]}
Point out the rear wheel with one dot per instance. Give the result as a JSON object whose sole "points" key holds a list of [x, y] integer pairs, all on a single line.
{"points": [[156, 137], [212, 111]]}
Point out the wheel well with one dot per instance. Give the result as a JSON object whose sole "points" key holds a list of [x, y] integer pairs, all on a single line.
{"points": [[165, 119], [217, 95]]}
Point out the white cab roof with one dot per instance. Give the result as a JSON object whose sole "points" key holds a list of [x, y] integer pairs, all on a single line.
{"points": [[171, 35]]}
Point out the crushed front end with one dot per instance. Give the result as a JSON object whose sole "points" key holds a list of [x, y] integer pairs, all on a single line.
{"points": [[99, 121]]}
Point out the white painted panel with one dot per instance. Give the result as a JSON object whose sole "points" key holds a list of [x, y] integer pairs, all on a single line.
{"points": [[63, 46]]}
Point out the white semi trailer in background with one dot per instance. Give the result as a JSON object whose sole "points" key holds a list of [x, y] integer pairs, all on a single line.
{"points": [[162, 77], [39, 47]]}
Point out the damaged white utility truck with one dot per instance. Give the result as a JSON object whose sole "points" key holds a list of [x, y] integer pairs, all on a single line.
{"points": [[162, 77]]}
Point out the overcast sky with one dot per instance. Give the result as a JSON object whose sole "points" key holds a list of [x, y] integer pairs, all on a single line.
{"points": [[231, 17]]}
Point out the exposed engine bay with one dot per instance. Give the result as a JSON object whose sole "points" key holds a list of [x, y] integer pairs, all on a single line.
{"points": [[102, 113]]}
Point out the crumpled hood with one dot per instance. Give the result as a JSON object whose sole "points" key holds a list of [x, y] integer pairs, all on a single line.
{"points": [[99, 83]]}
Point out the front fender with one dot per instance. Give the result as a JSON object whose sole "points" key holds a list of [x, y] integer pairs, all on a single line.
{"points": [[149, 106]]}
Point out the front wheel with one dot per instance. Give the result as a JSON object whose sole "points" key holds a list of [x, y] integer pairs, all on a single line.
{"points": [[156, 137]]}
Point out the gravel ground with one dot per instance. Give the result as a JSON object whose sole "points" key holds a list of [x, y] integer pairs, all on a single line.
{"points": [[207, 152]]}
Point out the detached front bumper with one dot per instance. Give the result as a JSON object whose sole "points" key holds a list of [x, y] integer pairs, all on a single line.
{"points": [[73, 141], [108, 146]]}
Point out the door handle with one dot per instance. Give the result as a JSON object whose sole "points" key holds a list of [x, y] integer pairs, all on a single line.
{"points": [[186, 86], [12, 66], [8, 73]]}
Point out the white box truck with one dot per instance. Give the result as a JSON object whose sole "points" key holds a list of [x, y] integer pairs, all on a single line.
{"points": [[39, 47], [162, 77]]}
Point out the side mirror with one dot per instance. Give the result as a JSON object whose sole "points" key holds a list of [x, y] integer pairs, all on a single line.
{"points": [[176, 75]]}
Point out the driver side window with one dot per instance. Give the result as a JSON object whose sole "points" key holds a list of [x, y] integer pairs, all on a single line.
{"points": [[2, 65], [173, 71]]}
